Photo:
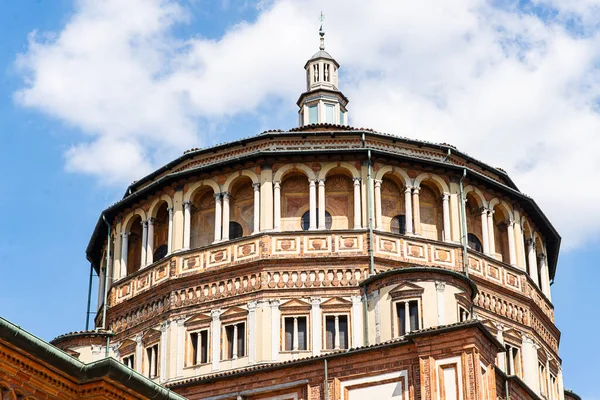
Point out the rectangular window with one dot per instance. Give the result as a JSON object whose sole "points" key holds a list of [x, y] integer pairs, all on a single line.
{"points": [[313, 114], [408, 308], [129, 361], [199, 341], [512, 360], [152, 361], [553, 387], [336, 332], [341, 117], [329, 109], [295, 333], [543, 379], [235, 341], [463, 314]]}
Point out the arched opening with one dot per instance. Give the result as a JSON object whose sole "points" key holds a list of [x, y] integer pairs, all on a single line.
{"points": [[161, 232], [501, 234], [134, 245], [306, 220], [393, 211], [235, 230], [527, 234], [339, 199], [241, 208], [540, 276], [474, 230], [294, 200], [202, 228], [474, 243], [430, 210]]}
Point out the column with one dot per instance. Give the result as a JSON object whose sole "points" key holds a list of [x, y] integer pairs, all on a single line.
{"points": [[532, 257], [144, 243], [218, 217], [225, 196], [545, 276], [180, 356], [139, 353], [295, 338], [321, 217], [441, 304], [416, 211], [315, 321], [150, 240], [251, 332], [446, 212], [501, 355], [215, 333], [511, 359], [124, 245], [408, 214], [312, 195], [152, 361], [170, 233], [530, 363], [378, 217], [485, 230], [491, 237], [519, 243], [377, 315], [266, 198], [275, 324], [512, 255], [406, 318], [357, 321], [357, 205], [163, 351], [187, 224], [256, 187], [277, 205], [234, 344], [336, 339]]}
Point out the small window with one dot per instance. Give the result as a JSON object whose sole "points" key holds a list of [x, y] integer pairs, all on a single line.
{"points": [[412, 308], [474, 243], [336, 332], [398, 224], [160, 253], [199, 342], [512, 360], [235, 336], [306, 220], [313, 114], [152, 361], [329, 113], [341, 117], [543, 379], [295, 333], [463, 314], [235, 230], [129, 361]]}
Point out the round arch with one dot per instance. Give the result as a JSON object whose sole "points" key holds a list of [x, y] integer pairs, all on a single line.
{"points": [[236, 175], [281, 172], [129, 220], [194, 187], [344, 165], [435, 179], [157, 202], [476, 194], [496, 202], [397, 171]]}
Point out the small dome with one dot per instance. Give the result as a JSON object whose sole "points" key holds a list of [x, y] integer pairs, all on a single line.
{"points": [[321, 54]]}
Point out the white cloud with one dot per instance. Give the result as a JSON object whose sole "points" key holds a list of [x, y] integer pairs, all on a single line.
{"points": [[504, 86]]}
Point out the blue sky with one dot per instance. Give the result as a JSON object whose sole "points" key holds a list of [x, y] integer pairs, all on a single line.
{"points": [[95, 94]]}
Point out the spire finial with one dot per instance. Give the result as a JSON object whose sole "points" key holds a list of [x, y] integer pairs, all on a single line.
{"points": [[321, 32]]}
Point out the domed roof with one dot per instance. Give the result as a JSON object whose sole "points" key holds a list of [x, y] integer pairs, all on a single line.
{"points": [[321, 54]]}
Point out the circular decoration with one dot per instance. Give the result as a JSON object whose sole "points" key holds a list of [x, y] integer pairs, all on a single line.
{"points": [[246, 249], [349, 243], [317, 244], [219, 256], [443, 256], [285, 245]]}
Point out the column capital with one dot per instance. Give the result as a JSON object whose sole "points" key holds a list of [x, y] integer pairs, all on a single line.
{"points": [[355, 299], [274, 303], [256, 185], [226, 195], [311, 182], [124, 234], [530, 242], [277, 184], [483, 210], [440, 286], [180, 321], [542, 257], [251, 305], [377, 182], [356, 181], [445, 196], [138, 338], [217, 196], [408, 189], [170, 210], [164, 325], [216, 314], [187, 204], [321, 181], [151, 220], [144, 223], [416, 189], [315, 301]]}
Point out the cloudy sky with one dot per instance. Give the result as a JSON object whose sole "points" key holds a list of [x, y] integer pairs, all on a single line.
{"points": [[95, 94]]}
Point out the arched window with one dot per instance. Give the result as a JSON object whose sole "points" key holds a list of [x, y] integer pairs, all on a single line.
{"points": [[474, 243], [160, 253], [398, 224], [306, 220], [235, 230]]}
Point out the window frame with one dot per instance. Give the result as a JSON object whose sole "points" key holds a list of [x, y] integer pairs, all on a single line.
{"points": [[348, 330], [190, 348], [130, 356], [283, 333], [461, 307], [516, 362], [396, 330], [225, 342], [148, 363]]}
